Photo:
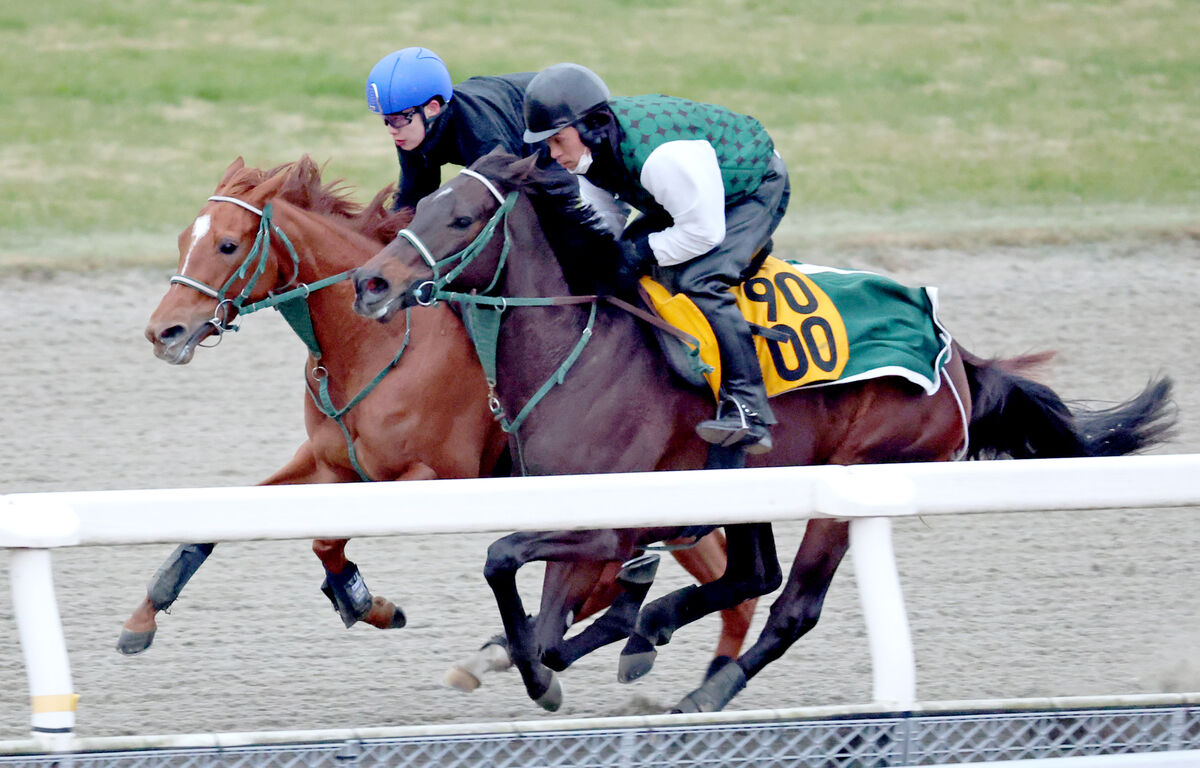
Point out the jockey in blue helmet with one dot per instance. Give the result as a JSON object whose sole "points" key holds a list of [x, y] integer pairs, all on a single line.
{"points": [[434, 123]]}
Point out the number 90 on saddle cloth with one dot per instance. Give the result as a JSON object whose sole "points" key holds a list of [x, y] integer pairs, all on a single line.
{"points": [[815, 326]]}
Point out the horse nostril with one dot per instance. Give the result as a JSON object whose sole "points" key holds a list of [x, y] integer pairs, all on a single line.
{"points": [[170, 334], [377, 285]]}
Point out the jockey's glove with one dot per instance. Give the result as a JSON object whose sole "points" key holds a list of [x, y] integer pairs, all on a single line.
{"points": [[637, 259]]}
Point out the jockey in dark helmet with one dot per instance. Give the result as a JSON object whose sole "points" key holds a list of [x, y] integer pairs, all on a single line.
{"points": [[434, 123], [711, 190]]}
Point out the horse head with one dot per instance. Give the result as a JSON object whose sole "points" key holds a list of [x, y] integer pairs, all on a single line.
{"points": [[237, 252], [455, 241]]}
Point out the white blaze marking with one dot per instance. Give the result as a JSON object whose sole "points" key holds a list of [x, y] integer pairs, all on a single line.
{"points": [[199, 230]]}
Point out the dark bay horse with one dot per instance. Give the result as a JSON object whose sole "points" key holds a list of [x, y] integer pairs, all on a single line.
{"points": [[427, 418], [585, 388]]}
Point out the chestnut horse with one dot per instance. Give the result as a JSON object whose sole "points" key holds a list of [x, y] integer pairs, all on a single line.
{"points": [[586, 389], [281, 234]]}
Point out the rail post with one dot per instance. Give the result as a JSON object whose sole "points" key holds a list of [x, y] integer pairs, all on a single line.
{"points": [[51, 695], [30, 527], [870, 502]]}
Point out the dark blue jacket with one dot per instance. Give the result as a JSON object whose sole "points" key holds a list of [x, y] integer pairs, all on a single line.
{"points": [[483, 113]]}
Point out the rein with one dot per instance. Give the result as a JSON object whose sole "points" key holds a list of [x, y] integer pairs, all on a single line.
{"points": [[482, 314], [259, 253], [293, 305]]}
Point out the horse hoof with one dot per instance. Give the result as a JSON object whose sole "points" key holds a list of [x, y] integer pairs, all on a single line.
{"points": [[552, 699], [635, 665], [131, 643], [639, 570], [384, 614], [460, 678], [687, 706], [717, 691], [398, 619], [468, 675]]}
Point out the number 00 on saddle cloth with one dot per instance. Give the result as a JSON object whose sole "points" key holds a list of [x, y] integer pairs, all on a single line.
{"points": [[819, 325]]}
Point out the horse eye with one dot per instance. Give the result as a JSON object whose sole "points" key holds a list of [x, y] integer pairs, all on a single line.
{"points": [[227, 247], [462, 222]]}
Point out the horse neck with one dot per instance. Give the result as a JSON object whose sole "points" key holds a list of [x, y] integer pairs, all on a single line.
{"points": [[353, 348], [617, 368]]}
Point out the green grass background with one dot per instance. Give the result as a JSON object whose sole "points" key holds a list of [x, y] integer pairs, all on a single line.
{"points": [[931, 120]]}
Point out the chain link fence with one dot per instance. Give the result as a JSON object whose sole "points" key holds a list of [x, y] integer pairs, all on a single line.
{"points": [[886, 739]]}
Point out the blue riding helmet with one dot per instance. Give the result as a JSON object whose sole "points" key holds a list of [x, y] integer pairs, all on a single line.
{"points": [[407, 78]]}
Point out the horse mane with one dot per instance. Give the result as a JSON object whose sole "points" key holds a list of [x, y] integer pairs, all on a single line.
{"points": [[587, 251], [300, 184]]}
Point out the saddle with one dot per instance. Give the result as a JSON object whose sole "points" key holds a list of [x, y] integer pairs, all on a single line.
{"points": [[813, 326]]}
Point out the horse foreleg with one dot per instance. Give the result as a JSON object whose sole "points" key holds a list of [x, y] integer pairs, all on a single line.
{"points": [[571, 592], [346, 590], [344, 584], [165, 585], [793, 614], [504, 558], [706, 562], [752, 570]]}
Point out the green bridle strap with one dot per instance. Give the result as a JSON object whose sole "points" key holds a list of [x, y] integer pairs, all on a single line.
{"points": [[557, 377], [259, 253], [325, 404], [483, 325], [258, 256], [467, 254], [293, 305]]}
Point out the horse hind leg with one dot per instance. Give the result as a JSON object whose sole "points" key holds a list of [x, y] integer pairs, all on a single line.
{"points": [[706, 561], [752, 571], [165, 585], [793, 614], [634, 579]]}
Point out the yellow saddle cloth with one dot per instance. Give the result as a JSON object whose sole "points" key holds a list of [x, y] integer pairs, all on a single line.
{"points": [[816, 325]]}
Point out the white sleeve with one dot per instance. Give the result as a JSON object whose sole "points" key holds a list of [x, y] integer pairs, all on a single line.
{"points": [[685, 179]]}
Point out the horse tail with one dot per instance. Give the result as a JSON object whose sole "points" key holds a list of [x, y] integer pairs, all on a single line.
{"points": [[1016, 417]]}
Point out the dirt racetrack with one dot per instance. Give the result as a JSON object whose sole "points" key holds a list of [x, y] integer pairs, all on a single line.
{"points": [[1042, 604]]}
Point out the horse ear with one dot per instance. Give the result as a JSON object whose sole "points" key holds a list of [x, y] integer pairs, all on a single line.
{"points": [[523, 169], [233, 168]]}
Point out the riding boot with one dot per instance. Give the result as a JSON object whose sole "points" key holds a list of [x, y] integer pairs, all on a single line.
{"points": [[743, 414]]}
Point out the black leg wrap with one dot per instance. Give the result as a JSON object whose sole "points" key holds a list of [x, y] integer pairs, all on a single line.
{"points": [[658, 620], [168, 581], [717, 664], [716, 692], [348, 593]]}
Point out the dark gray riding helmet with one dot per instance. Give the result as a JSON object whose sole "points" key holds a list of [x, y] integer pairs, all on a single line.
{"points": [[558, 96]]}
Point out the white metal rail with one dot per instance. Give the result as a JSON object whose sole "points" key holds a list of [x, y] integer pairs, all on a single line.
{"points": [[32, 524]]}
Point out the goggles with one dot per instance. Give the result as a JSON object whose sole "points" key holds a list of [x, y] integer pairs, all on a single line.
{"points": [[398, 120]]}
